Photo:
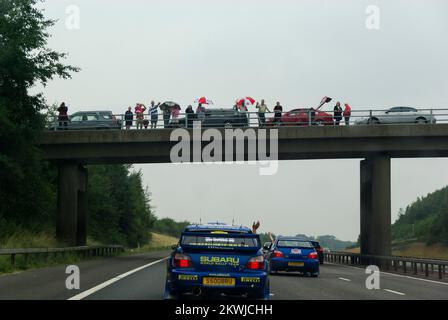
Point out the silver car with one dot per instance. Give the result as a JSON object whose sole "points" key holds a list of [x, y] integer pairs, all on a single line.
{"points": [[398, 115]]}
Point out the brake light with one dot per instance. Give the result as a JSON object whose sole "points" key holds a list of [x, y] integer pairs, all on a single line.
{"points": [[313, 255], [278, 254], [182, 261], [256, 263]]}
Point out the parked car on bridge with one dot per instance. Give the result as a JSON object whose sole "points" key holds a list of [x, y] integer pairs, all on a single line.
{"points": [[301, 117], [217, 260], [293, 254], [91, 120], [319, 250], [398, 115], [219, 118]]}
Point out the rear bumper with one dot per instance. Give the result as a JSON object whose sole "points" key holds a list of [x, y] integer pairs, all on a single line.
{"points": [[282, 264], [182, 282]]}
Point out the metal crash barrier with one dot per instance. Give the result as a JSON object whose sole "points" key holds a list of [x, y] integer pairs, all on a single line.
{"points": [[404, 265], [85, 252]]}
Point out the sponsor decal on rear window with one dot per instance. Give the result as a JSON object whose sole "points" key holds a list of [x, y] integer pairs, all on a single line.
{"points": [[219, 242]]}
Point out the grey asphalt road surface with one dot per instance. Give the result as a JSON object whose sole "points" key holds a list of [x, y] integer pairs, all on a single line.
{"points": [[142, 277]]}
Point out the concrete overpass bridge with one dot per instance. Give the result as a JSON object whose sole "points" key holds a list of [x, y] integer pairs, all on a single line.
{"points": [[374, 144]]}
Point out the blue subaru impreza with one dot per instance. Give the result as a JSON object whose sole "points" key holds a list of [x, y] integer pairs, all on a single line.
{"points": [[293, 254], [217, 260]]}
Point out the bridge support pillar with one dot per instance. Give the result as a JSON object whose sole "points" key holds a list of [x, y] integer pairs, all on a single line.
{"points": [[71, 221], [376, 206]]}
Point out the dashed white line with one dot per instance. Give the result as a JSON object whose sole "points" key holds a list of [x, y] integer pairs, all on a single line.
{"points": [[103, 285], [345, 279], [392, 274], [396, 292]]}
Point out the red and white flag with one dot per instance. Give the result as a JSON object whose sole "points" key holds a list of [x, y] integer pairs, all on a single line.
{"points": [[248, 101], [203, 100]]}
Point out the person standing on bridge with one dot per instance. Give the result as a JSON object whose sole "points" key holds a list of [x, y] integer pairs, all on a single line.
{"points": [[175, 112], [63, 116], [347, 114], [278, 113], [189, 115], [262, 109], [154, 114], [129, 118], [139, 111], [337, 113], [200, 112]]}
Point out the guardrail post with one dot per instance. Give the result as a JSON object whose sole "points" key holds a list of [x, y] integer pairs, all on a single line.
{"points": [[404, 266], [426, 269], [13, 259], [432, 268], [415, 268], [440, 271]]}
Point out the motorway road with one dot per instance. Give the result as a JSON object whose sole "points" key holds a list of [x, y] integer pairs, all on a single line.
{"points": [[142, 277]]}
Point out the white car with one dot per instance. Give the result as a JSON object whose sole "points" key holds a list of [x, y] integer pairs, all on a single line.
{"points": [[398, 115]]}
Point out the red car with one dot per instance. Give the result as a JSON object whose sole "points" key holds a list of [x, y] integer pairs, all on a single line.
{"points": [[301, 117]]}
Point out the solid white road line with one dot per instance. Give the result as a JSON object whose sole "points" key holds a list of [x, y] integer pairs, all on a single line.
{"points": [[103, 285], [345, 279], [391, 274], [396, 292]]}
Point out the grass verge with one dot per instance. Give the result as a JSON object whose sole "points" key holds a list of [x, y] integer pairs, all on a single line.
{"points": [[158, 242]]}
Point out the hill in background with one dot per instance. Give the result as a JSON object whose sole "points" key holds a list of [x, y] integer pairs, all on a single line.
{"points": [[425, 220]]}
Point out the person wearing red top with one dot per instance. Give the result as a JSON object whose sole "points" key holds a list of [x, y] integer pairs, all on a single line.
{"points": [[347, 114], [63, 116]]}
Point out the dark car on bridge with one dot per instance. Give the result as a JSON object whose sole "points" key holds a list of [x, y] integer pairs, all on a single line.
{"points": [[218, 118], [293, 254], [303, 117], [319, 250], [91, 120], [217, 260]]}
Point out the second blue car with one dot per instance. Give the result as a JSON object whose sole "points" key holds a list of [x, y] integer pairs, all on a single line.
{"points": [[293, 254]]}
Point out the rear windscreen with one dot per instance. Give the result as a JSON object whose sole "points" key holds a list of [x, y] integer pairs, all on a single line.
{"points": [[294, 243], [219, 242]]}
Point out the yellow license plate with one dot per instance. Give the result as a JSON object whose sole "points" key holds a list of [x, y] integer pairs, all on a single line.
{"points": [[296, 264], [218, 282]]}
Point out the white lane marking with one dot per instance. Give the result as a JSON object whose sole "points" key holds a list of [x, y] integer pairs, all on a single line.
{"points": [[103, 285], [345, 279], [392, 274], [396, 292]]}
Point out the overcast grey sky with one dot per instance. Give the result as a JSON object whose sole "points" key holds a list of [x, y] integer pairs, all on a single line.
{"points": [[291, 51]]}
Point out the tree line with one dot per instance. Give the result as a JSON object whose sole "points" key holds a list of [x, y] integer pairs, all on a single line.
{"points": [[119, 207], [426, 219]]}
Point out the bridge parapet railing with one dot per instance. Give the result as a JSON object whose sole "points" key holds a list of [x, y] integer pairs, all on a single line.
{"points": [[399, 264], [84, 251], [253, 119]]}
